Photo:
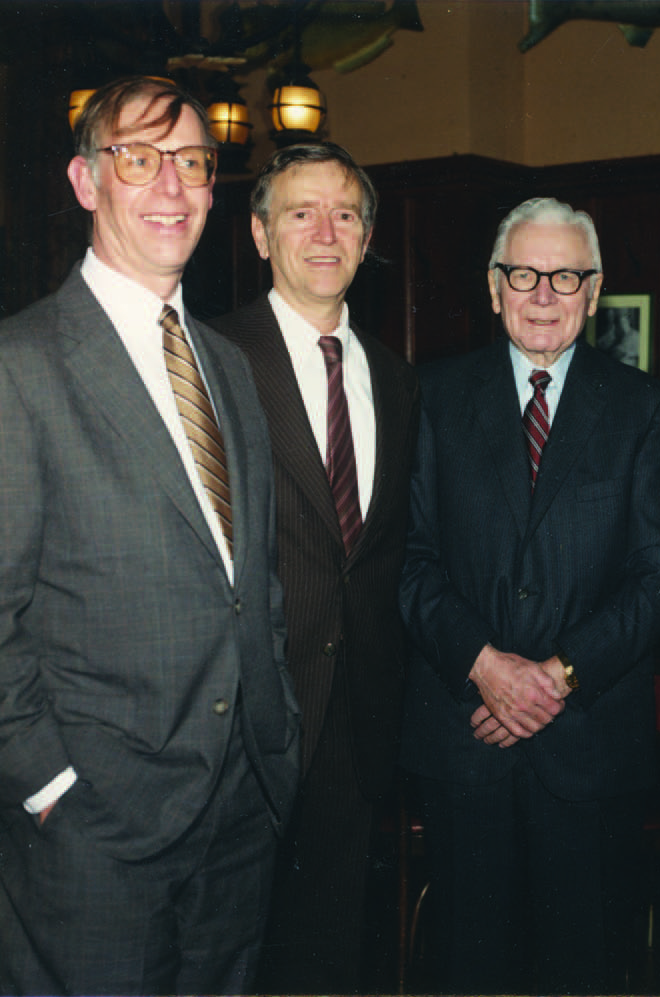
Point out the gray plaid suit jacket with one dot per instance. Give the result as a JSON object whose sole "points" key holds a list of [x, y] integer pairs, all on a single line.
{"points": [[119, 631]]}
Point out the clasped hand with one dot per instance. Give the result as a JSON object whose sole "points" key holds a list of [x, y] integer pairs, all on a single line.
{"points": [[520, 697]]}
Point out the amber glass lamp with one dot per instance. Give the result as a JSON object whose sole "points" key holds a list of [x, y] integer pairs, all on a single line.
{"points": [[298, 110], [230, 121], [230, 125], [77, 102]]}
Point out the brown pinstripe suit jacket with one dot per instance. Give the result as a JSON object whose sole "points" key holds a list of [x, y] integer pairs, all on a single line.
{"points": [[336, 605]]}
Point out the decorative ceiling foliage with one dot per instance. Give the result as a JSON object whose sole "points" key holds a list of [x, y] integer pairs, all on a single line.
{"points": [[635, 18], [101, 39]]}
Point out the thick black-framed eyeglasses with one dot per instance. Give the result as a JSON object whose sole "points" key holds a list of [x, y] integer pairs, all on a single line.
{"points": [[527, 278], [138, 163]]}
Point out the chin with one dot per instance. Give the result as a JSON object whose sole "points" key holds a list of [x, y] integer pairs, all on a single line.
{"points": [[542, 344]]}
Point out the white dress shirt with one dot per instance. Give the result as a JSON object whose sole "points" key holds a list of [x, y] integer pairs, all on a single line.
{"points": [[522, 369], [134, 312], [302, 342]]}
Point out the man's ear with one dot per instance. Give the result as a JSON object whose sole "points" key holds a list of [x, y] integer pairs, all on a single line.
{"points": [[83, 185], [260, 237], [494, 293], [365, 244], [593, 300]]}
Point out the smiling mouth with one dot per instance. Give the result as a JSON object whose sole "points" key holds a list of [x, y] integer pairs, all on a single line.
{"points": [[323, 259], [167, 220]]}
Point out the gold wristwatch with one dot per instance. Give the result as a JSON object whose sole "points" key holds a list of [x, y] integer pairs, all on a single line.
{"points": [[569, 672]]}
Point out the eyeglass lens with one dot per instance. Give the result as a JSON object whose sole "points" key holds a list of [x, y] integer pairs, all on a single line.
{"points": [[527, 278], [139, 163]]}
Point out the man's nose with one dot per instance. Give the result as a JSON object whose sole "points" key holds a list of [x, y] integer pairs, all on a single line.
{"points": [[325, 231], [543, 293], [168, 178]]}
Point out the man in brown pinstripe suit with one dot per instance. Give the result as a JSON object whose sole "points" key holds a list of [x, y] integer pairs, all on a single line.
{"points": [[313, 213]]}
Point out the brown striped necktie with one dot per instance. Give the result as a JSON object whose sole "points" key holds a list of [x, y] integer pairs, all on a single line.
{"points": [[198, 418], [536, 421], [340, 456]]}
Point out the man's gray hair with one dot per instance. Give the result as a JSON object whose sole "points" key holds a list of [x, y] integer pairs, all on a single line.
{"points": [[301, 155], [545, 211]]}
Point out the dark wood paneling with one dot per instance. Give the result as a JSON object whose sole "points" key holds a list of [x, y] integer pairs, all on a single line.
{"points": [[422, 288], [438, 220]]}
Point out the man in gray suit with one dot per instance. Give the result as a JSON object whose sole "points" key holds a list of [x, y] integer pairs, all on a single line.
{"points": [[148, 732]]}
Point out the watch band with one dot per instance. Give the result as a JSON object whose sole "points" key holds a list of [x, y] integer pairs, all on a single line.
{"points": [[569, 672]]}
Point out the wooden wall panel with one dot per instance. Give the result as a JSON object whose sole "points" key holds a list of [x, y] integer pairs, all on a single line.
{"points": [[423, 289]]}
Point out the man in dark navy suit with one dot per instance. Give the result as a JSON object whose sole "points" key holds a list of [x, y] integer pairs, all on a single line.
{"points": [[532, 594]]}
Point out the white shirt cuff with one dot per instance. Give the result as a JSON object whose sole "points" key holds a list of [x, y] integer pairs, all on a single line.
{"points": [[51, 793]]}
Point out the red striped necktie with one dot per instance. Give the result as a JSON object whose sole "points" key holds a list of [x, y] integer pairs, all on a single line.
{"points": [[536, 421], [340, 455]]}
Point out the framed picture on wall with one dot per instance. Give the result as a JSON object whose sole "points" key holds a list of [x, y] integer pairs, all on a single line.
{"points": [[622, 328]]}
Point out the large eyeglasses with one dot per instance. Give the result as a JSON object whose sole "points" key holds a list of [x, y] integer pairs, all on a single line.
{"points": [[561, 281], [138, 163]]}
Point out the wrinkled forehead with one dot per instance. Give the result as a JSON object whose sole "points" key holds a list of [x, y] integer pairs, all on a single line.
{"points": [[326, 178], [545, 243], [145, 119]]}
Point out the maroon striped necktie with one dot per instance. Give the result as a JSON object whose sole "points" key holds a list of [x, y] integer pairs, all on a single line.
{"points": [[198, 418], [536, 422], [340, 456]]}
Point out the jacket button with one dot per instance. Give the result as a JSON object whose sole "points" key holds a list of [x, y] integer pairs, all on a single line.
{"points": [[522, 594], [238, 607], [220, 707], [329, 650]]}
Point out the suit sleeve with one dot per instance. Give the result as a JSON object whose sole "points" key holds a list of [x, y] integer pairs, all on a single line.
{"points": [[278, 624], [276, 594], [624, 622], [443, 625], [31, 750]]}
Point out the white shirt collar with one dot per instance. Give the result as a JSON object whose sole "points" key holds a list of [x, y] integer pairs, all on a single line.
{"points": [[523, 367], [300, 336], [126, 302]]}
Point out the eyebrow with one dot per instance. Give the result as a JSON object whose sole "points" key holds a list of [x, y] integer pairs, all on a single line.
{"points": [[342, 206]]}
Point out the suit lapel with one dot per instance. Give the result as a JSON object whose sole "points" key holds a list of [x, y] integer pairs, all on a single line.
{"points": [[292, 439], [385, 389], [498, 413], [581, 406], [234, 439], [103, 369]]}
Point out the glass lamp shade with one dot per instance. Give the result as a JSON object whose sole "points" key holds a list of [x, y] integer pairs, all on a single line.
{"points": [[77, 102], [229, 122], [297, 108]]}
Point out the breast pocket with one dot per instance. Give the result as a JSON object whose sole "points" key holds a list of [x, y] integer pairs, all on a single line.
{"points": [[594, 491]]}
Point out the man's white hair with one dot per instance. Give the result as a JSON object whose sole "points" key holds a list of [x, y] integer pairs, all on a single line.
{"points": [[545, 211]]}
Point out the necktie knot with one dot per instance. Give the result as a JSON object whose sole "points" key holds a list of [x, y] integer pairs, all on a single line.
{"points": [[331, 349], [540, 379], [168, 316]]}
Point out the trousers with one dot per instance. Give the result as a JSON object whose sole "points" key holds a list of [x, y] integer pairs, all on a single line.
{"points": [[187, 921]]}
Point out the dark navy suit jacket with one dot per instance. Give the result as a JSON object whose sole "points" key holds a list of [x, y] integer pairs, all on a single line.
{"points": [[576, 568]]}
